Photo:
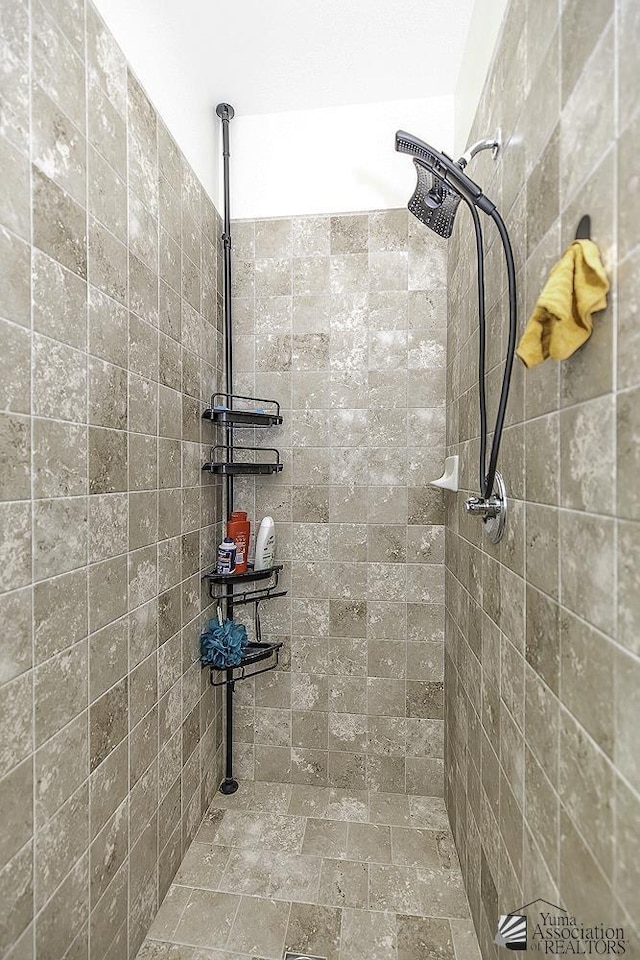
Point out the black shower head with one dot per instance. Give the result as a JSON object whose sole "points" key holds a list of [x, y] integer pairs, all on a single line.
{"points": [[434, 202], [441, 185]]}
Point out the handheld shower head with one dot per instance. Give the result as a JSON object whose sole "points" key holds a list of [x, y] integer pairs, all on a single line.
{"points": [[437, 170], [434, 202]]}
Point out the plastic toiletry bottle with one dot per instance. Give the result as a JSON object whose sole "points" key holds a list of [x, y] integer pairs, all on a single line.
{"points": [[265, 545], [226, 557], [239, 528]]}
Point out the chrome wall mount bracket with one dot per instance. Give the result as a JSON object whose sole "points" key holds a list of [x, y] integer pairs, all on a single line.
{"points": [[492, 510], [489, 143]]}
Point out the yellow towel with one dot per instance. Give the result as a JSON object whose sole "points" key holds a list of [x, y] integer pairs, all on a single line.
{"points": [[561, 321]]}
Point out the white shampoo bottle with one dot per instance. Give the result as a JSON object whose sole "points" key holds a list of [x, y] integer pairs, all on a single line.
{"points": [[265, 545]]}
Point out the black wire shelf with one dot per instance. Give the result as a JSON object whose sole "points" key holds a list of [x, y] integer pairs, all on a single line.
{"points": [[230, 579], [243, 469], [230, 417], [244, 597], [234, 468], [255, 652]]}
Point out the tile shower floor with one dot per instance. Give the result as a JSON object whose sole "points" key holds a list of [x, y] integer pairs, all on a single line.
{"points": [[319, 871]]}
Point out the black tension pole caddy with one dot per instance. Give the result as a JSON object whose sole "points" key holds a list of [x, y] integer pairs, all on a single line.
{"points": [[230, 416]]}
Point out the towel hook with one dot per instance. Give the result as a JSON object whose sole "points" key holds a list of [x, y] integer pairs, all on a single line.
{"points": [[583, 231]]}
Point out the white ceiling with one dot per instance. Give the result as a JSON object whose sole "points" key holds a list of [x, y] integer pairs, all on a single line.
{"points": [[281, 63], [269, 56]]}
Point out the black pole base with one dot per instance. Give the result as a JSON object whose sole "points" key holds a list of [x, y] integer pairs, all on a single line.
{"points": [[228, 786]]}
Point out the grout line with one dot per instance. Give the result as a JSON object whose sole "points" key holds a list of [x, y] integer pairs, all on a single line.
{"points": [[128, 469], [32, 488], [268, 899], [235, 916], [87, 484], [617, 21], [156, 760]]}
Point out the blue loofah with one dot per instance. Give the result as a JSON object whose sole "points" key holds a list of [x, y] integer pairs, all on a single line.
{"points": [[223, 645]]}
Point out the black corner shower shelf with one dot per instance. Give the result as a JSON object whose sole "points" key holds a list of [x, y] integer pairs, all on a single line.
{"points": [[247, 577], [245, 597], [255, 652], [242, 469], [234, 468], [231, 418], [241, 418]]}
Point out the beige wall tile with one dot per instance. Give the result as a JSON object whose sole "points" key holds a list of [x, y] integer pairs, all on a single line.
{"points": [[83, 512], [562, 717]]}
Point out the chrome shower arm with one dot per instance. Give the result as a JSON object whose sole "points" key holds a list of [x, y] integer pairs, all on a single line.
{"points": [[489, 143]]}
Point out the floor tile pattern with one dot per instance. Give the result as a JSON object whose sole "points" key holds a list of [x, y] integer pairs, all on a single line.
{"points": [[317, 870]]}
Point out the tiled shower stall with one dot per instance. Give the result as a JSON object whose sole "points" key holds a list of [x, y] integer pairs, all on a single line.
{"points": [[420, 666]]}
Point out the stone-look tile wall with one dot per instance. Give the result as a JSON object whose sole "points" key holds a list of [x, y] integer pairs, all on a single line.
{"points": [[109, 313], [342, 319], [542, 667]]}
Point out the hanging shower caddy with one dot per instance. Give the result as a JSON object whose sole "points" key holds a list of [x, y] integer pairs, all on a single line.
{"points": [[233, 589]]}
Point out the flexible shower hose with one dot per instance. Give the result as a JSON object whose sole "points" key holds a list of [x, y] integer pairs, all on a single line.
{"points": [[486, 479]]}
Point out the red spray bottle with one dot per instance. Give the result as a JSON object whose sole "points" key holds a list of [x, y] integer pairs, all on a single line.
{"points": [[239, 528]]}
